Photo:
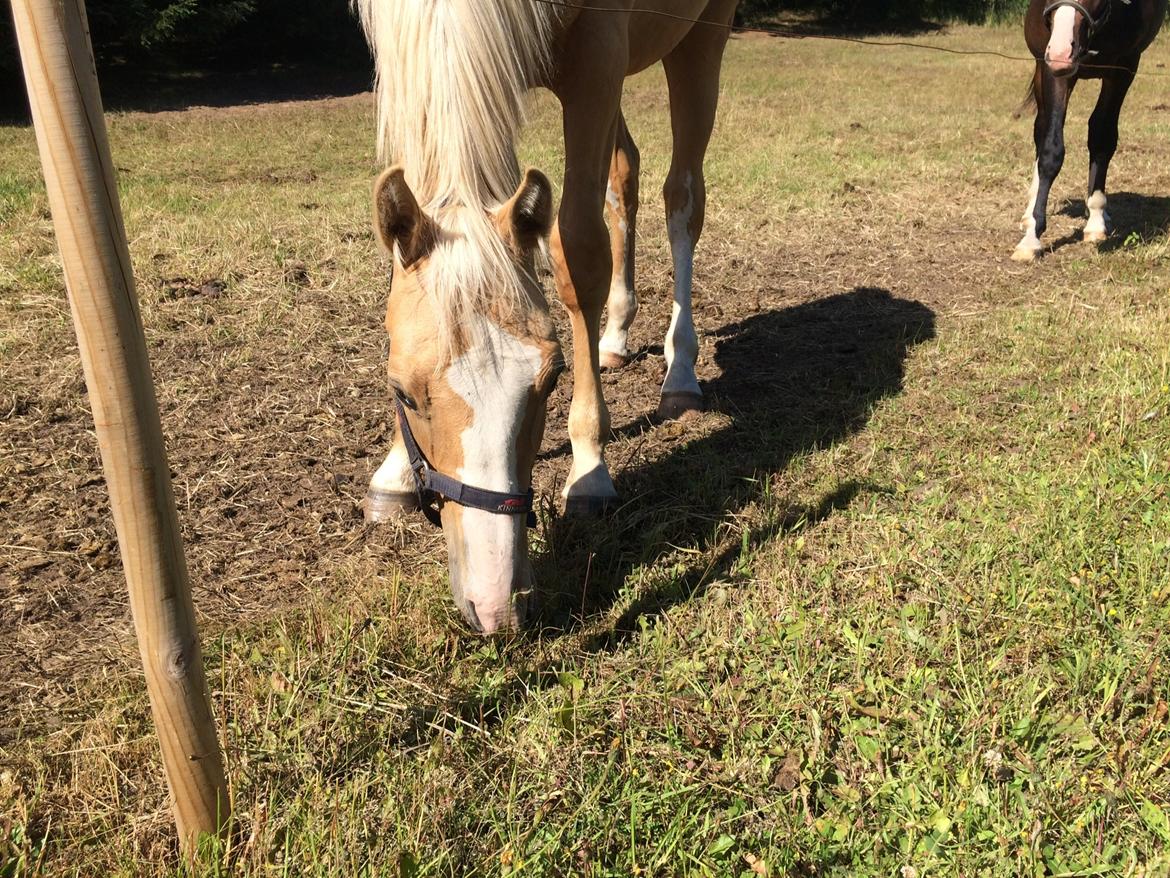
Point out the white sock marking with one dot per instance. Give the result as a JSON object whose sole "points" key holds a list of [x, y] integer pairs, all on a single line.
{"points": [[622, 304], [1098, 216], [682, 344]]}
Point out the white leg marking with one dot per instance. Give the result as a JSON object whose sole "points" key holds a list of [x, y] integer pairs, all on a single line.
{"points": [[1035, 190], [1029, 247], [622, 305], [682, 344], [1097, 228], [394, 476]]}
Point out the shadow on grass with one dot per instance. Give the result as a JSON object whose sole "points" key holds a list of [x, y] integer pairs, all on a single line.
{"points": [[793, 381], [1147, 216]]}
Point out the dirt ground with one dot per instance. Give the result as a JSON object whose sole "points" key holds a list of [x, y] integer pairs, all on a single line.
{"points": [[272, 447]]}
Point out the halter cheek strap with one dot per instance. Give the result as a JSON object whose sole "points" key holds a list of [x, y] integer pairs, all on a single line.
{"points": [[433, 486]]}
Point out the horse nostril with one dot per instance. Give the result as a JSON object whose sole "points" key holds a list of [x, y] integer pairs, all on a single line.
{"points": [[473, 618]]}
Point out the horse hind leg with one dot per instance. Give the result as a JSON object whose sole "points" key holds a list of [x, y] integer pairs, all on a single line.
{"points": [[1102, 145], [621, 200], [692, 73]]}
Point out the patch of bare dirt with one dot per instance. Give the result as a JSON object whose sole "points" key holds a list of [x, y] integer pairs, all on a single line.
{"points": [[802, 331]]}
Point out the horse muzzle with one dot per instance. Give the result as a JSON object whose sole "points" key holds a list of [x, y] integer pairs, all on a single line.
{"points": [[1063, 65]]}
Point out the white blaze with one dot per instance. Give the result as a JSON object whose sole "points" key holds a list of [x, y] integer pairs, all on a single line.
{"points": [[1060, 44], [394, 475], [494, 378]]}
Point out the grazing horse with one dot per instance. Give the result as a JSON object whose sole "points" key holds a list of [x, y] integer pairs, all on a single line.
{"points": [[473, 351], [1072, 40]]}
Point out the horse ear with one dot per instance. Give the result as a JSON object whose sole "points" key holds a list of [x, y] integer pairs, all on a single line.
{"points": [[398, 220], [529, 215]]}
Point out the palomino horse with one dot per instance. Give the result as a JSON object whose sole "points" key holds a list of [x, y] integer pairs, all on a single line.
{"points": [[473, 352], [1071, 40]]}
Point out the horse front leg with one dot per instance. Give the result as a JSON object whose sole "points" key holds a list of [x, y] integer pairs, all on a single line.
{"points": [[1048, 135], [582, 266], [1102, 145]]}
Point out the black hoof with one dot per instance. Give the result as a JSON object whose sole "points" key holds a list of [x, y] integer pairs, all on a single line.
{"points": [[680, 406], [589, 507]]}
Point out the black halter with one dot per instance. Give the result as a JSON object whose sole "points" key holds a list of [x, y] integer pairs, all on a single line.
{"points": [[433, 486], [1095, 24]]}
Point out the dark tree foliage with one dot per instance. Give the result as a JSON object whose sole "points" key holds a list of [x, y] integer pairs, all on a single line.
{"points": [[186, 33], [196, 32]]}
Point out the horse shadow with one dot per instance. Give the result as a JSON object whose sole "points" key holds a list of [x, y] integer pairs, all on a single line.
{"points": [[1146, 216], [793, 381]]}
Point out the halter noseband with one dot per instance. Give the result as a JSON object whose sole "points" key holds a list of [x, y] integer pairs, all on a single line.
{"points": [[433, 486], [1095, 24]]}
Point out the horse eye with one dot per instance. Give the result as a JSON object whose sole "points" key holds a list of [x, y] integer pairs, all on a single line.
{"points": [[403, 397]]}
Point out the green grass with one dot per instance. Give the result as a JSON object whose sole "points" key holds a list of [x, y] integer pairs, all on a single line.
{"points": [[915, 629]]}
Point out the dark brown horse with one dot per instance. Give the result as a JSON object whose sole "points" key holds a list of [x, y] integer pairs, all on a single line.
{"points": [[1073, 40]]}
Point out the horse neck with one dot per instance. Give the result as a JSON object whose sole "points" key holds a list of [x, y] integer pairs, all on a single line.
{"points": [[451, 84]]}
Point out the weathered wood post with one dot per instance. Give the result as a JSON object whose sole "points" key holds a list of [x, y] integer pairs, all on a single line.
{"points": [[71, 134]]}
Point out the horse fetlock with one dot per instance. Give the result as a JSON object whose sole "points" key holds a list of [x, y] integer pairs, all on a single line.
{"points": [[1098, 227]]}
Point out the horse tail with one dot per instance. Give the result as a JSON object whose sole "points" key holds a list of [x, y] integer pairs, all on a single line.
{"points": [[1031, 100]]}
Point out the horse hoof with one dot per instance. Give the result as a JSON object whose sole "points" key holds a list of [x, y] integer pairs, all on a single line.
{"points": [[382, 506], [612, 361], [1025, 254], [680, 406], [588, 507], [1095, 237]]}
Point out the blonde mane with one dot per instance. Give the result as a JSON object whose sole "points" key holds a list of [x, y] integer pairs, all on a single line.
{"points": [[451, 79]]}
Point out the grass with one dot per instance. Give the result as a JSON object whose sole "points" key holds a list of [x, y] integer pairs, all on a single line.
{"points": [[895, 607]]}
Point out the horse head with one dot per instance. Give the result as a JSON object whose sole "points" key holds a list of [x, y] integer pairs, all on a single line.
{"points": [[473, 358]]}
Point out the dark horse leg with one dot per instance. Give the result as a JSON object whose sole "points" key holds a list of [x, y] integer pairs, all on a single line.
{"points": [[1103, 143], [1052, 94]]}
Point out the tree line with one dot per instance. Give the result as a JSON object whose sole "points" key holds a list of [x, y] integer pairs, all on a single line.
{"points": [[183, 33]]}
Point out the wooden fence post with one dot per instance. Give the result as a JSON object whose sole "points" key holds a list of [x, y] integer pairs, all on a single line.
{"points": [[71, 134]]}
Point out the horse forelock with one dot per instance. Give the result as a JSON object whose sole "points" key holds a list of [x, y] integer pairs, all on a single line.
{"points": [[471, 276]]}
